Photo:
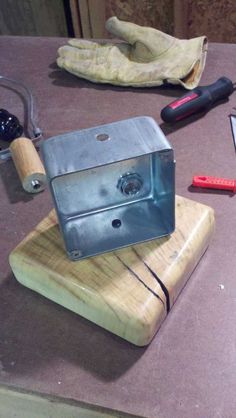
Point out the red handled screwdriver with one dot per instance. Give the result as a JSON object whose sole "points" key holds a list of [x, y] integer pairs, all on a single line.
{"points": [[197, 100]]}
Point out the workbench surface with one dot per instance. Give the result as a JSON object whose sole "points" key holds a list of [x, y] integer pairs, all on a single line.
{"points": [[189, 368]]}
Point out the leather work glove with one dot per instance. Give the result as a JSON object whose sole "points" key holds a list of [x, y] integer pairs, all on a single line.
{"points": [[147, 58]]}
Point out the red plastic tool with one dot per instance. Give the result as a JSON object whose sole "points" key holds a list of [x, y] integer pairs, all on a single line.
{"points": [[214, 183]]}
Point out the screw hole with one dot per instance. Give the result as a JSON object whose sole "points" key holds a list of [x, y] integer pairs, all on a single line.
{"points": [[75, 253], [116, 223], [36, 186], [102, 137]]}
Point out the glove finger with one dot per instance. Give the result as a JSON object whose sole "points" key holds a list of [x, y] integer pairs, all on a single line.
{"points": [[148, 43], [130, 32], [73, 54], [80, 68], [83, 44]]}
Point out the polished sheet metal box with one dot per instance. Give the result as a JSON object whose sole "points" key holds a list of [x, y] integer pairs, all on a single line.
{"points": [[112, 185]]}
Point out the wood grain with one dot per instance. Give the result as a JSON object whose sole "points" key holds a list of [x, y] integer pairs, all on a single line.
{"points": [[128, 292], [156, 14], [33, 18], [181, 19], [75, 16], [16, 403], [28, 165], [85, 19]]}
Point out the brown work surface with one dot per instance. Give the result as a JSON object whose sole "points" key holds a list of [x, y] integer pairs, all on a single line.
{"points": [[189, 368]]}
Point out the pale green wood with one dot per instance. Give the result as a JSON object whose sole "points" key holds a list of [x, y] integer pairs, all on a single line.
{"points": [[121, 290], [21, 404]]}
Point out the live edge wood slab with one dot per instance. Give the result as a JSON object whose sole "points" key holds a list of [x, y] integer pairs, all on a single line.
{"points": [[129, 291]]}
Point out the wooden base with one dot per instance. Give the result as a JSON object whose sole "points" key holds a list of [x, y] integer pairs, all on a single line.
{"points": [[129, 291], [21, 404]]}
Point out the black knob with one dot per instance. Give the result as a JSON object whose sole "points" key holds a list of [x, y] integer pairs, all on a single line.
{"points": [[10, 127]]}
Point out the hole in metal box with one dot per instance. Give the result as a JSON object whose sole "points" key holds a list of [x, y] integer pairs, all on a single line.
{"points": [[116, 223], [102, 137]]}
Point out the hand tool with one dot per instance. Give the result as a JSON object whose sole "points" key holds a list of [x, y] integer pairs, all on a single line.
{"points": [[28, 165], [10, 127], [197, 100], [233, 127], [211, 182], [21, 149]]}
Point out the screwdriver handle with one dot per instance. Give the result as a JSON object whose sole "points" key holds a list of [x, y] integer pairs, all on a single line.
{"points": [[197, 99]]}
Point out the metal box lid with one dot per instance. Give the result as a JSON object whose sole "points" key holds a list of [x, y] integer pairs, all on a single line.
{"points": [[87, 148]]}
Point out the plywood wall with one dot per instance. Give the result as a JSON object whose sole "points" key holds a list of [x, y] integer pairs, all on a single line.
{"points": [[216, 18], [33, 18], [182, 18], [158, 14]]}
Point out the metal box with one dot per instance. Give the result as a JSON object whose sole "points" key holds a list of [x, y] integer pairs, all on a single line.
{"points": [[113, 185]]}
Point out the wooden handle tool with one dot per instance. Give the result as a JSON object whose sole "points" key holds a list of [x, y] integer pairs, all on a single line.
{"points": [[28, 165]]}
